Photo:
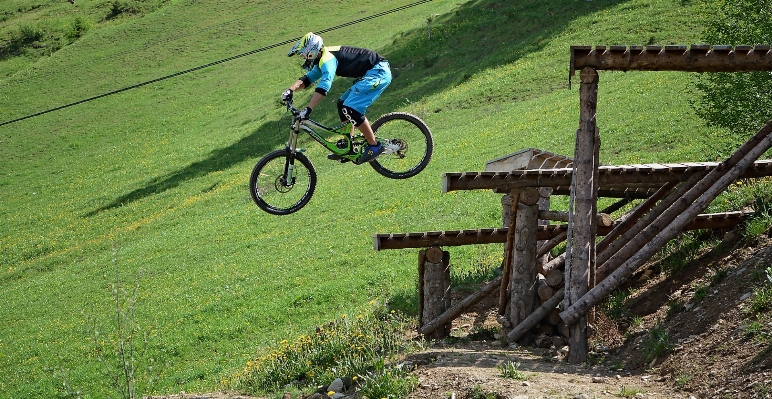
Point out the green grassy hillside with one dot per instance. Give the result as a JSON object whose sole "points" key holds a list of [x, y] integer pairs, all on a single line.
{"points": [[150, 185]]}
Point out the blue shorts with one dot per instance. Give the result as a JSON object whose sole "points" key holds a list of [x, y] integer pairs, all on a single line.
{"points": [[368, 88]]}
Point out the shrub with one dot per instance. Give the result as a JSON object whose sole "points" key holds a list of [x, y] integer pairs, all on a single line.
{"points": [[512, 370], [78, 28], [658, 343], [346, 347]]}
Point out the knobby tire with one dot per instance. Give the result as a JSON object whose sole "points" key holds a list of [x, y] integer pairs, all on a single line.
{"points": [[270, 194], [419, 139]]}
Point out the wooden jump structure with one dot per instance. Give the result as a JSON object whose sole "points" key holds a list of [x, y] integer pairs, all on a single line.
{"points": [[560, 293], [676, 208]]}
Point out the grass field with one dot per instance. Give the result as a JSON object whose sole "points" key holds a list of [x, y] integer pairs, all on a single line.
{"points": [[147, 189]]}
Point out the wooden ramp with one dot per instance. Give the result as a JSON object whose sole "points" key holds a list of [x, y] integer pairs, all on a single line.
{"points": [[616, 181]]}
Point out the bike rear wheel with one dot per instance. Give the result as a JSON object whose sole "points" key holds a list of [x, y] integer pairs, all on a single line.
{"points": [[413, 139], [270, 189]]}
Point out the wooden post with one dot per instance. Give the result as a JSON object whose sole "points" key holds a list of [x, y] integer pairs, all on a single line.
{"points": [[585, 209], [522, 286], [434, 287], [509, 215], [542, 257]]}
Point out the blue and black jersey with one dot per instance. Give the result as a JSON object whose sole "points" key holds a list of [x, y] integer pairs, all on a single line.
{"points": [[344, 61]]}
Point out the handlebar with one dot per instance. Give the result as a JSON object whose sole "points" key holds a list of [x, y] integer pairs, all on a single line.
{"points": [[288, 103]]}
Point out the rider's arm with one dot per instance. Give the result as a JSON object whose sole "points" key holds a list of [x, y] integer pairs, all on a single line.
{"points": [[297, 85]]}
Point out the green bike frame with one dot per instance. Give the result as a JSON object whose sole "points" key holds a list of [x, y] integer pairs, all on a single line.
{"points": [[352, 148]]}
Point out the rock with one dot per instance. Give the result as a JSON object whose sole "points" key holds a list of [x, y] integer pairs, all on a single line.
{"points": [[543, 341], [336, 386], [599, 380], [581, 396], [526, 384]]}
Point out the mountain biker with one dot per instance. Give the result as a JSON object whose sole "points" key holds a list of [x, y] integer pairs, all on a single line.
{"points": [[370, 70]]}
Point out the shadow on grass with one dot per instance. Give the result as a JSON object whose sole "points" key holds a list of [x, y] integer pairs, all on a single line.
{"points": [[256, 144], [477, 36]]}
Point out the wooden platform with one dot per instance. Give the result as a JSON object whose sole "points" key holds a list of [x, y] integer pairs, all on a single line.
{"points": [[616, 181]]}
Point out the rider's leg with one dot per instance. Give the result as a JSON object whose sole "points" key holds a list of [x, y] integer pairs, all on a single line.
{"points": [[367, 131], [354, 102]]}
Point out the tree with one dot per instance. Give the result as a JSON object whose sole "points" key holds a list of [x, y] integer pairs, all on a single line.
{"points": [[739, 102]]}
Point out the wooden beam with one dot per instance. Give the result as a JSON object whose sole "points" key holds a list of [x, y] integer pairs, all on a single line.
{"points": [[499, 236], [697, 58], [603, 219], [611, 177]]}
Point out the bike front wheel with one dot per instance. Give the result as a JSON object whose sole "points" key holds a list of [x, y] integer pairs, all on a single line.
{"points": [[273, 191], [409, 145]]}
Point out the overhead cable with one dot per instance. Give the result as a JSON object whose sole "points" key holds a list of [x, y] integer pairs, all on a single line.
{"points": [[224, 60]]}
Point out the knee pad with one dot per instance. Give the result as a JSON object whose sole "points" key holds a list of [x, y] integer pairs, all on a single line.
{"points": [[348, 114]]}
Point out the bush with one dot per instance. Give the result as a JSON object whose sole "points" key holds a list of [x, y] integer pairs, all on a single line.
{"points": [[350, 347], [24, 36], [78, 28], [120, 7]]}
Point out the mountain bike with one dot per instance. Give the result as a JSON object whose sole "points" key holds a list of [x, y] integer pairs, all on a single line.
{"points": [[283, 181]]}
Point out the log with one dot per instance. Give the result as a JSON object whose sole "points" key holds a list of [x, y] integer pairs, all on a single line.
{"points": [[522, 290], [553, 242], [716, 182], [544, 291], [507, 263], [583, 230], [459, 307], [556, 263], [603, 219], [534, 318], [421, 262], [434, 255], [630, 227], [674, 205], [632, 237], [623, 225], [554, 317], [435, 286], [616, 206], [554, 278]]}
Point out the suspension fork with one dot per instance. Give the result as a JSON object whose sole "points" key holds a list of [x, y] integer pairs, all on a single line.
{"points": [[292, 145]]}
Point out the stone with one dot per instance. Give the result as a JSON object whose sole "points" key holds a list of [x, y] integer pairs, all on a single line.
{"points": [[336, 386]]}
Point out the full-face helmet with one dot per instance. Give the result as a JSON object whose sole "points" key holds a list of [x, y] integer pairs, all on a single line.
{"points": [[308, 48]]}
